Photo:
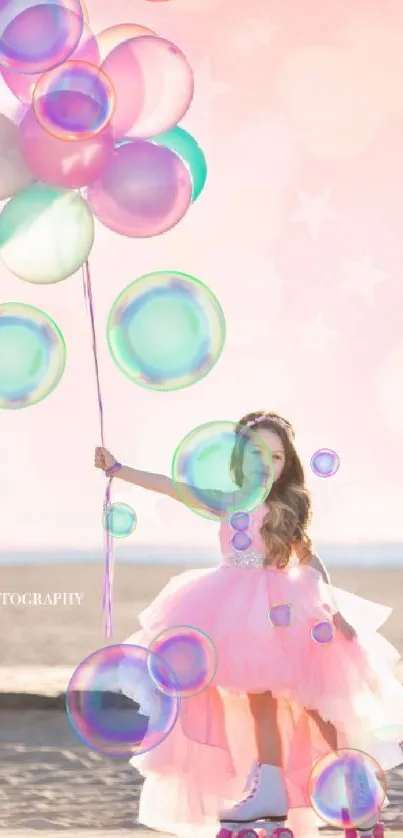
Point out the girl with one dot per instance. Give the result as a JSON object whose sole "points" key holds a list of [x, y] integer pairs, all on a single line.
{"points": [[281, 699]]}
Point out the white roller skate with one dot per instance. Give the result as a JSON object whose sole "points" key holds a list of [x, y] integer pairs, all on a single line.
{"points": [[264, 809]]}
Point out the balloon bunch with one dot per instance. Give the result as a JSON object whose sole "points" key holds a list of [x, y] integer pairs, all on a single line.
{"points": [[95, 136]]}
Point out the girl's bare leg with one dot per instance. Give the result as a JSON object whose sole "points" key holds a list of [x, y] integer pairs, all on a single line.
{"points": [[327, 730], [268, 741], [264, 711]]}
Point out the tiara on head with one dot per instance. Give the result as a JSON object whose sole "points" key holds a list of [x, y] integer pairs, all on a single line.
{"points": [[255, 421], [252, 423]]}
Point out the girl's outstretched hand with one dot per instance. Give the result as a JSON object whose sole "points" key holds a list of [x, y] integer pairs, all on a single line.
{"points": [[342, 625], [103, 459]]}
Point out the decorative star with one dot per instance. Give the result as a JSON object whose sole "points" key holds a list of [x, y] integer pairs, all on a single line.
{"points": [[200, 117], [272, 278], [255, 30], [313, 211], [207, 87], [316, 335], [362, 277]]}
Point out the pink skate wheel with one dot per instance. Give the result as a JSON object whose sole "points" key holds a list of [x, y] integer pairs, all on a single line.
{"points": [[282, 832], [379, 831], [224, 833], [350, 833]]}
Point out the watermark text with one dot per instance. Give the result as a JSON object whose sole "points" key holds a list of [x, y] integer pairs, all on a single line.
{"points": [[32, 599]]}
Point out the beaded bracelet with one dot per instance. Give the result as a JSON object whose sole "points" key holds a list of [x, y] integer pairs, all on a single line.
{"points": [[112, 469]]}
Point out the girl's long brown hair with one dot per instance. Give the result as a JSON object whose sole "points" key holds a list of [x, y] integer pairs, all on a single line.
{"points": [[284, 527]]}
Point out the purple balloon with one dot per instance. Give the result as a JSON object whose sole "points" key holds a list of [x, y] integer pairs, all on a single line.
{"points": [[144, 191]]}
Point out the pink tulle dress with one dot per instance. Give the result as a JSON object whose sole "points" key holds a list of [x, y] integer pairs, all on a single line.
{"points": [[204, 762]]}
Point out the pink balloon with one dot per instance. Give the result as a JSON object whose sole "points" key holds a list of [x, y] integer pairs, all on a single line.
{"points": [[153, 83], [145, 191], [23, 85], [63, 164], [115, 35]]}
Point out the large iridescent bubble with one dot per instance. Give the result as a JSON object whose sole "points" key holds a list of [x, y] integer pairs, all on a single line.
{"points": [[32, 355], [114, 705], [45, 234], [344, 789], [166, 331], [75, 101], [202, 474], [36, 35], [23, 86], [190, 654]]}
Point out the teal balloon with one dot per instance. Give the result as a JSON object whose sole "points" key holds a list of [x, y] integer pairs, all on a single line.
{"points": [[185, 146]]}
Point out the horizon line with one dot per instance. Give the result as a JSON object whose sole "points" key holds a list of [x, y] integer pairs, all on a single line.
{"points": [[180, 548]]}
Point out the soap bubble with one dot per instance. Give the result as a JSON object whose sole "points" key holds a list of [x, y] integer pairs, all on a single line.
{"points": [[240, 521], [120, 520], [36, 36], [23, 86], [75, 101], [190, 654], [323, 632], [281, 615], [344, 789], [241, 541], [201, 470], [166, 331], [32, 355], [114, 724], [325, 462]]}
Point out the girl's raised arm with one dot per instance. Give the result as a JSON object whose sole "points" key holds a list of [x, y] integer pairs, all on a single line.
{"points": [[155, 482]]}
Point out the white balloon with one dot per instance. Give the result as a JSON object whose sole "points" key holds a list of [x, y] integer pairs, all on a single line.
{"points": [[14, 173], [46, 234]]}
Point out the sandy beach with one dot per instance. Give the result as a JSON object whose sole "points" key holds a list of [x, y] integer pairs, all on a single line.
{"points": [[48, 779]]}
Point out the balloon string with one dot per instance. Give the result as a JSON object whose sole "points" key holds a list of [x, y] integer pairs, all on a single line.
{"points": [[108, 541]]}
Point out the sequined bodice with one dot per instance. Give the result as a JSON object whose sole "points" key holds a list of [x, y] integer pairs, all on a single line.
{"points": [[240, 539]]}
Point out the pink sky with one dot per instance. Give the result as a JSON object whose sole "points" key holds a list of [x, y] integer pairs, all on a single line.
{"points": [[298, 108]]}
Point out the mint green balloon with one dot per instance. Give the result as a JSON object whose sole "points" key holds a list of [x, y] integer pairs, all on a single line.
{"points": [[46, 234], [185, 146]]}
